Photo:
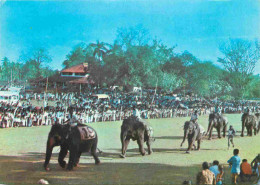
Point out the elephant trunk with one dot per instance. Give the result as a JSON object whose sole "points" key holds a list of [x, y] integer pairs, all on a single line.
{"points": [[209, 127], [184, 136], [50, 145]]}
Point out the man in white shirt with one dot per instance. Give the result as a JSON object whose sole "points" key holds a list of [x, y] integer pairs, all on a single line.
{"points": [[136, 112]]}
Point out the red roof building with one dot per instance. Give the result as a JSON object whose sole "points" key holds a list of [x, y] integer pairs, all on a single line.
{"points": [[72, 76], [80, 70]]}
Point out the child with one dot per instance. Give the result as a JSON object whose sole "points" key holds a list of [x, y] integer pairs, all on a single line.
{"points": [[231, 134], [246, 170], [220, 175], [235, 163]]}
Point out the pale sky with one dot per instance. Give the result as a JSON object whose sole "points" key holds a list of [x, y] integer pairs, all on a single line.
{"points": [[198, 26]]}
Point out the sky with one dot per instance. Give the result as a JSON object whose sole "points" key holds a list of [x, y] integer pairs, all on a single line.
{"points": [[198, 26]]}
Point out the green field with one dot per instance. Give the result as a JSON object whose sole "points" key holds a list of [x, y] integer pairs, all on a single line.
{"points": [[22, 155]]}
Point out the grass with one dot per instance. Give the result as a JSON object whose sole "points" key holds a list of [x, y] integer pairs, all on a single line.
{"points": [[22, 155]]}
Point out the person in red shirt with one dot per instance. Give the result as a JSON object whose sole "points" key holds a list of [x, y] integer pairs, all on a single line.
{"points": [[245, 170]]}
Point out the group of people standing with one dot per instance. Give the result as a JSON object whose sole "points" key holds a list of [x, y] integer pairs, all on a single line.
{"points": [[215, 174]]}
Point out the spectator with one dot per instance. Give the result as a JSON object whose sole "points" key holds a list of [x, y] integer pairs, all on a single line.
{"points": [[220, 175], [246, 170], [235, 163], [254, 164], [258, 170], [206, 176], [214, 168]]}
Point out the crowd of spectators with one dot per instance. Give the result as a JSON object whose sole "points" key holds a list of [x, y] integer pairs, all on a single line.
{"points": [[106, 105]]}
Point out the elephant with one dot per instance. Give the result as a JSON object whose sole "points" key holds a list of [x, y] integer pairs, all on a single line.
{"points": [[251, 122], [219, 122], [74, 138], [136, 129], [192, 133]]}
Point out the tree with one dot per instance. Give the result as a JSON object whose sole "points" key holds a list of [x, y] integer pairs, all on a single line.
{"points": [[10, 70], [37, 59], [76, 56], [240, 58], [133, 36], [100, 49]]}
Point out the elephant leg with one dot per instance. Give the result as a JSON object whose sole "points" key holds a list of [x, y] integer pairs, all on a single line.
{"points": [[248, 131], [218, 130], [150, 151], [94, 153], [199, 140], [72, 158], [189, 147], [62, 155], [77, 159], [140, 142], [224, 130], [251, 131], [190, 143], [243, 128], [124, 147]]}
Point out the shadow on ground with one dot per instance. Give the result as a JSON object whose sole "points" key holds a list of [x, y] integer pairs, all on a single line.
{"points": [[169, 137], [28, 169]]}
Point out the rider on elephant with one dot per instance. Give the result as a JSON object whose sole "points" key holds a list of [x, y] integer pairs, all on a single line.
{"points": [[248, 111], [194, 118], [217, 112], [136, 113], [72, 120]]}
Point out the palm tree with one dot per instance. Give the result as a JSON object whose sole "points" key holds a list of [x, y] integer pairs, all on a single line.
{"points": [[100, 50]]}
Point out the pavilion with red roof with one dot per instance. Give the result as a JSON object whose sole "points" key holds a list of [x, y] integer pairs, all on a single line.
{"points": [[69, 77]]}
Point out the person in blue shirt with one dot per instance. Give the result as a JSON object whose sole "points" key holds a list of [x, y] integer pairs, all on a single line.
{"points": [[214, 168], [235, 163]]}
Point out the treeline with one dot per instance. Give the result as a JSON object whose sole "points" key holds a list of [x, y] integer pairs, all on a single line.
{"points": [[136, 60], [29, 66]]}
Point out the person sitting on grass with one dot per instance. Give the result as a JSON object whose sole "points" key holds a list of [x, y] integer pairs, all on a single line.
{"points": [[235, 163], [257, 159], [246, 170], [231, 134], [206, 176], [220, 175], [254, 164], [214, 168]]}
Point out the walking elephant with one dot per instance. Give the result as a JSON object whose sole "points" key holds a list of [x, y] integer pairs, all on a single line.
{"points": [[136, 129], [219, 122], [192, 133], [76, 139], [251, 122]]}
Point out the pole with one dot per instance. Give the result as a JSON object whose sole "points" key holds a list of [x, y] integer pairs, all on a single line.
{"points": [[155, 90], [80, 88], [11, 77], [46, 88]]}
